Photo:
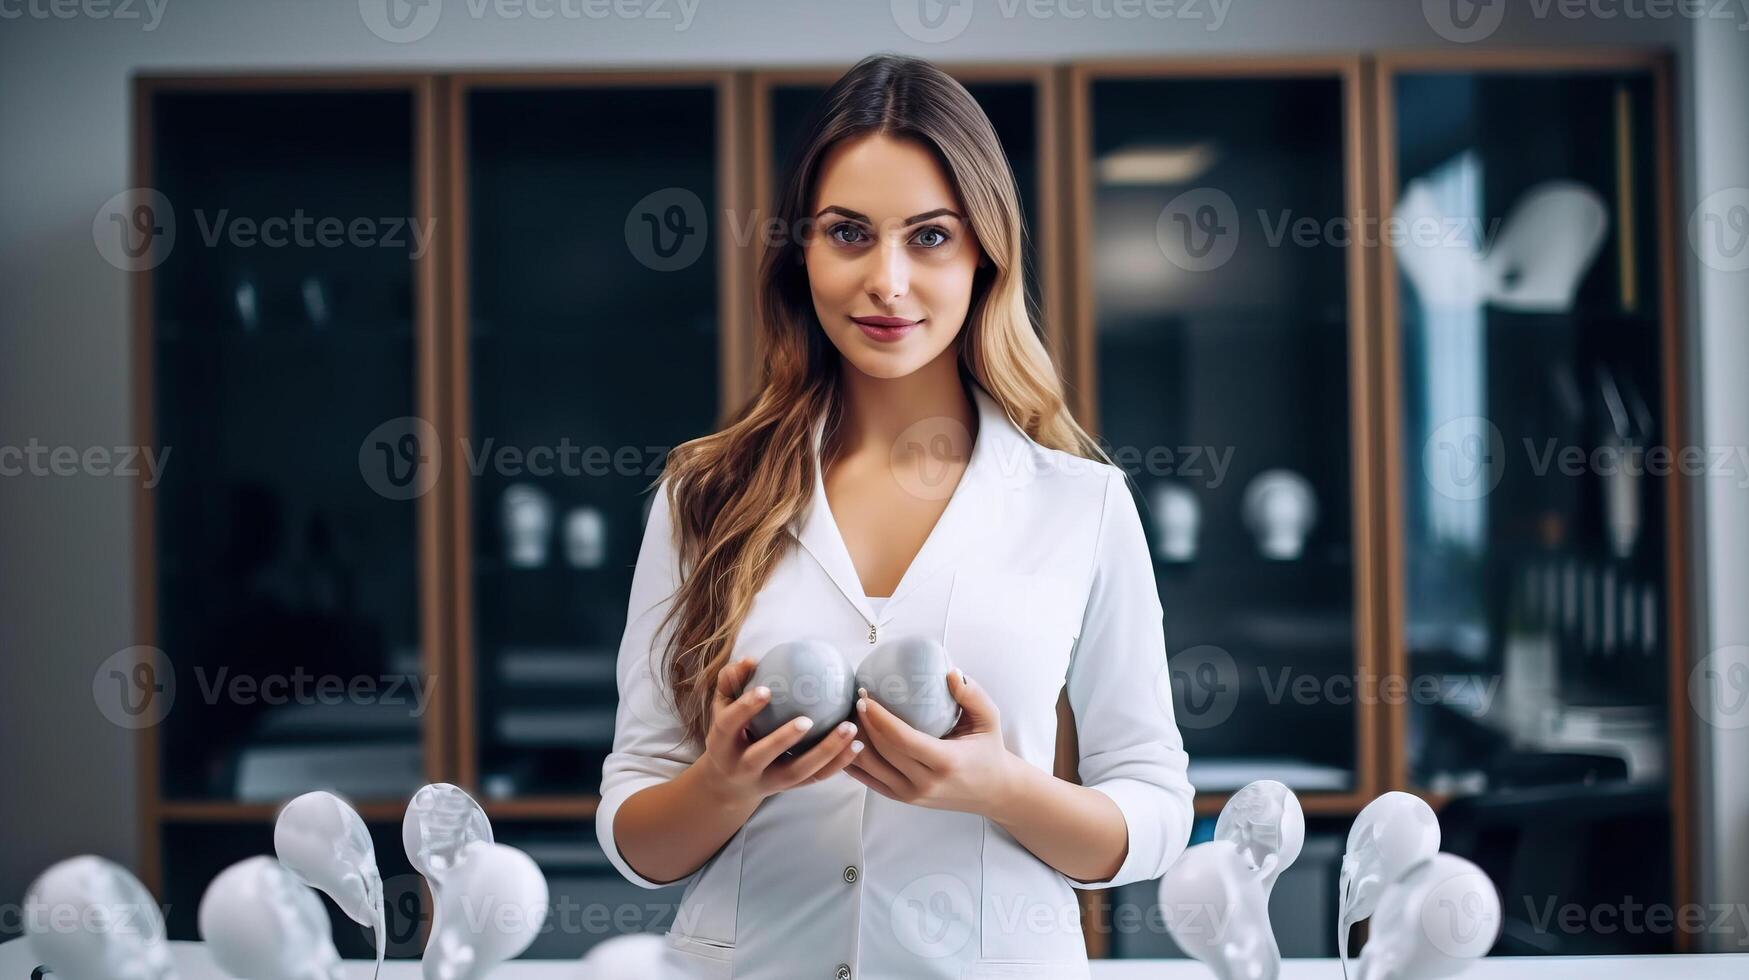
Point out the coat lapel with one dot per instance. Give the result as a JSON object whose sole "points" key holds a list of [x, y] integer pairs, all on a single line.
{"points": [[972, 513]]}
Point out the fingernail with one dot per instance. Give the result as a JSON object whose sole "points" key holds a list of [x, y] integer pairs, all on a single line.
{"points": [[762, 691], [804, 723], [855, 747], [846, 728], [862, 704], [862, 692]]}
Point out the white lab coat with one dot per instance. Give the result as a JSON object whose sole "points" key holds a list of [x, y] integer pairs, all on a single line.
{"points": [[1036, 575]]}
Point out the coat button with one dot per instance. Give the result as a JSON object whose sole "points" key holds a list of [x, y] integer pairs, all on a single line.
{"points": [[843, 972], [850, 874]]}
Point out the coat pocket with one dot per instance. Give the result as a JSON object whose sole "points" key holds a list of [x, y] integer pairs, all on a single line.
{"points": [[693, 958], [992, 969]]}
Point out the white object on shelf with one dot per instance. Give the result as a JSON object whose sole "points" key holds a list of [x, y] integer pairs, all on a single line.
{"points": [[1280, 509], [528, 525], [1178, 517], [585, 538], [260, 922], [1546, 243], [1548, 240], [88, 918]]}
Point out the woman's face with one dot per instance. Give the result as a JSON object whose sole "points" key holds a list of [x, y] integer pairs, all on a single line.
{"points": [[890, 255]]}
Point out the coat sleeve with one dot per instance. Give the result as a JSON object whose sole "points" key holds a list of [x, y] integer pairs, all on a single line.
{"points": [[649, 746], [1130, 747]]}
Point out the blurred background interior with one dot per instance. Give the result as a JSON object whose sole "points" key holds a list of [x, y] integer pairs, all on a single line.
{"points": [[1334, 440]]}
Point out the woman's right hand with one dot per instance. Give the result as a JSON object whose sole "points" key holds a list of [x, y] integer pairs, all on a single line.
{"points": [[744, 769]]}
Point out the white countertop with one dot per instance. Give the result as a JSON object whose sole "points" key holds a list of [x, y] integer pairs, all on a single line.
{"points": [[193, 964]]}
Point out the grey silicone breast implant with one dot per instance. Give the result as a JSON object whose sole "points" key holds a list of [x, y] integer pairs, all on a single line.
{"points": [[806, 677], [907, 675]]}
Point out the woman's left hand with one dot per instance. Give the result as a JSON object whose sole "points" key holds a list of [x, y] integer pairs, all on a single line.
{"points": [[968, 769]]}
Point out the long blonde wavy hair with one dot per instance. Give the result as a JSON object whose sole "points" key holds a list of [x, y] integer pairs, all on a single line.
{"points": [[734, 492]]}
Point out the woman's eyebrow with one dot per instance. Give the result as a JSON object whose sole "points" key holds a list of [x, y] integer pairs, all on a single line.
{"points": [[859, 216]]}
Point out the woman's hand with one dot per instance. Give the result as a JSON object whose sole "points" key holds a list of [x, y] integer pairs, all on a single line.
{"points": [[744, 770], [969, 769]]}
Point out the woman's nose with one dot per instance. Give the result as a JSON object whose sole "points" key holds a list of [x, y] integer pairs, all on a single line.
{"points": [[890, 275]]}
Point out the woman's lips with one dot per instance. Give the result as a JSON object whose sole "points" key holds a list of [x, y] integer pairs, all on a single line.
{"points": [[885, 329]]}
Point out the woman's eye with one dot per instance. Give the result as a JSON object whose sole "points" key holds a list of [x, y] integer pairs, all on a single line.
{"points": [[845, 228], [938, 237]]}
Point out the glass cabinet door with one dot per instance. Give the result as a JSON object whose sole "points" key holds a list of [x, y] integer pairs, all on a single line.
{"points": [[591, 348], [284, 333], [1526, 333], [1218, 334]]}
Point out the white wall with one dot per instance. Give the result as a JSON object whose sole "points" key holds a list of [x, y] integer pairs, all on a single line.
{"points": [[1720, 80], [65, 548]]}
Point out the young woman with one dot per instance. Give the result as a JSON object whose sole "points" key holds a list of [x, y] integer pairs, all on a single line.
{"points": [[907, 467]]}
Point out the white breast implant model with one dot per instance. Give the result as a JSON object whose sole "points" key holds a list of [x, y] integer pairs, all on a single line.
{"points": [[322, 840], [907, 675], [89, 919], [807, 678], [441, 820], [1265, 821], [1434, 921], [259, 921], [1394, 833], [494, 903], [1215, 908]]}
